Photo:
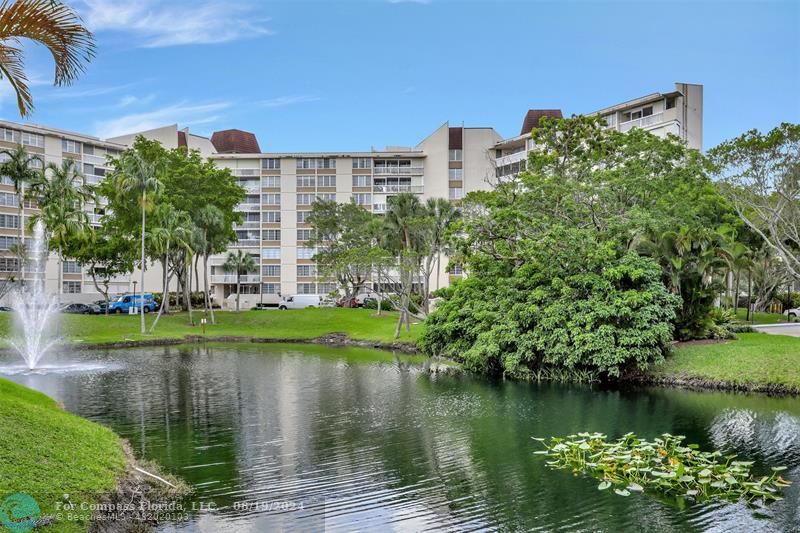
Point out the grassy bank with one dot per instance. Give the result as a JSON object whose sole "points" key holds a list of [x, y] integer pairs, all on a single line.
{"points": [[758, 317], [755, 361], [46, 452], [357, 324]]}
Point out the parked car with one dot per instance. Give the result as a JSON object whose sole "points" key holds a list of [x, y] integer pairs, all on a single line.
{"points": [[792, 313], [5, 309], [300, 301], [363, 297], [81, 309], [126, 301]]}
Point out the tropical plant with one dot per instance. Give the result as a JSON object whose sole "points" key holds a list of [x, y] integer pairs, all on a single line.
{"points": [[664, 465], [135, 176], [172, 230], [239, 262], [63, 222], [52, 24], [210, 221], [20, 167], [443, 214]]}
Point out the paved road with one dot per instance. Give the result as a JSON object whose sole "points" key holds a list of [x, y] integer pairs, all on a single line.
{"points": [[792, 330]]}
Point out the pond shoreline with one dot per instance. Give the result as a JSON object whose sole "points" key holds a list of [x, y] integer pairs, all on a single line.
{"points": [[696, 383]]}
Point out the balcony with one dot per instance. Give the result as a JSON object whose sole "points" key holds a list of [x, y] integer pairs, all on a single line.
{"points": [[97, 160], [379, 208], [93, 179], [398, 171], [231, 278], [249, 207], [247, 225], [511, 158], [244, 172], [246, 243], [642, 122], [94, 218], [417, 189]]}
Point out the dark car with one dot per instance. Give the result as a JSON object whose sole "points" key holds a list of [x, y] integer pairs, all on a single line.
{"points": [[5, 309], [81, 309]]}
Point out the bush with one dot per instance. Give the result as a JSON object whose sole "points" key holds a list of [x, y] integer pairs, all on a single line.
{"points": [[386, 305], [572, 304]]}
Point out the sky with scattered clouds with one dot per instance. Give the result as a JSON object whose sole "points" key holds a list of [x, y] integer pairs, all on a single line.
{"points": [[350, 75]]}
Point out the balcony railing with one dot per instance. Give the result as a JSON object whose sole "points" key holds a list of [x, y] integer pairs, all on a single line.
{"points": [[642, 122], [511, 158], [246, 243], [404, 171], [418, 189], [93, 178], [231, 278], [98, 160], [94, 218], [247, 225], [249, 207], [240, 172]]}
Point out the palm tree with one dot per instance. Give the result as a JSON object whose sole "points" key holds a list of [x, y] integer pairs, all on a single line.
{"points": [[443, 213], [137, 176], [210, 222], [241, 263], [404, 210], [173, 227], [62, 221], [20, 169], [50, 23]]}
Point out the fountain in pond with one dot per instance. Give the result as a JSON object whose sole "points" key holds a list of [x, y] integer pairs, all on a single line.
{"points": [[35, 312]]}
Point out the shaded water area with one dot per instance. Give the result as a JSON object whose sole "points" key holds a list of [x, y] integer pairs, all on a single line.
{"points": [[310, 437]]}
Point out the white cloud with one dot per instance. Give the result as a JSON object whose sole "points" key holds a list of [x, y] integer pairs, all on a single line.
{"points": [[171, 24], [182, 113], [282, 101]]}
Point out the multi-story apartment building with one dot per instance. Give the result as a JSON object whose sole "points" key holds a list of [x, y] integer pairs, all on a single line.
{"points": [[281, 187]]}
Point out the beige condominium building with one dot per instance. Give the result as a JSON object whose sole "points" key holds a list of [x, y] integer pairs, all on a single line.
{"points": [[281, 187]]}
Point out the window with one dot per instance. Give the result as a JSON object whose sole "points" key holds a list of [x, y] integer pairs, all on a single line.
{"points": [[328, 162], [270, 288], [456, 270], [7, 135], [70, 267], [72, 147], [31, 139], [272, 217], [305, 199], [8, 199], [306, 288], [362, 181], [272, 271], [362, 162], [670, 103], [72, 287], [251, 199], [7, 242], [306, 181], [326, 288], [251, 217], [456, 155], [88, 149], [306, 271], [611, 120], [647, 111], [272, 235], [272, 163], [36, 162], [9, 221], [271, 181], [305, 253], [302, 216], [271, 199], [306, 163], [456, 193], [270, 253], [9, 264], [326, 197], [305, 234], [362, 198], [326, 181], [455, 173]]}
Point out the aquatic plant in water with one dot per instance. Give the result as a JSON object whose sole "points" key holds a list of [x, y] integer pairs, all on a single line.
{"points": [[663, 465]]}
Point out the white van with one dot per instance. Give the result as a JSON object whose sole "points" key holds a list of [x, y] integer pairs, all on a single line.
{"points": [[300, 301]]}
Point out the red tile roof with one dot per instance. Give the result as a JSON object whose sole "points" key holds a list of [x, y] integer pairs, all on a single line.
{"points": [[235, 142], [532, 118]]}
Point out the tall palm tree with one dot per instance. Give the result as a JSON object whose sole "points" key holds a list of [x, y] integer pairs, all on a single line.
{"points": [[241, 263], [62, 221], [172, 228], [210, 222], [20, 168], [138, 176], [52, 24], [404, 210], [443, 213]]}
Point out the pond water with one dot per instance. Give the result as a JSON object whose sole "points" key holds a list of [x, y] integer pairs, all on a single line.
{"points": [[308, 438]]}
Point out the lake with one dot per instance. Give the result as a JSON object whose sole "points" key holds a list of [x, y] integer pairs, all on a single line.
{"points": [[300, 437]]}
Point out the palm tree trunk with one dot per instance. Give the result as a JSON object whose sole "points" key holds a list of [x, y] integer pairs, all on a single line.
{"points": [[141, 307], [187, 287], [60, 274], [205, 286], [238, 290], [749, 293], [438, 269], [196, 273], [161, 308], [21, 239]]}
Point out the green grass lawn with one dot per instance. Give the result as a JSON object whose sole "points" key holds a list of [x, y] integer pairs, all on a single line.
{"points": [[761, 318], [753, 359], [47, 452], [358, 324]]}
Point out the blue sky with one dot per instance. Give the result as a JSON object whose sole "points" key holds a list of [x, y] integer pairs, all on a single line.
{"points": [[313, 76]]}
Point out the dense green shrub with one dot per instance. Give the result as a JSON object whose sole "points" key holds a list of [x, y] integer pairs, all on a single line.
{"points": [[571, 304]]}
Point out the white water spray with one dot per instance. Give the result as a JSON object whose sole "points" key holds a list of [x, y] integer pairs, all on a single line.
{"points": [[34, 311]]}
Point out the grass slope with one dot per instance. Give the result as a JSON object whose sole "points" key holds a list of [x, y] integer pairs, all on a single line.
{"points": [[47, 452], [358, 324], [758, 317], [754, 359]]}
